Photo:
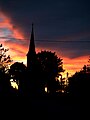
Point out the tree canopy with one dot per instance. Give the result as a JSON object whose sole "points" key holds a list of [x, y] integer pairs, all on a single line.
{"points": [[5, 85], [51, 66], [5, 60], [50, 63], [17, 70], [79, 84]]}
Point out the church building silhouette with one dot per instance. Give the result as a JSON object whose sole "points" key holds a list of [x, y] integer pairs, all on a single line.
{"points": [[31, 53], [35, 84]]}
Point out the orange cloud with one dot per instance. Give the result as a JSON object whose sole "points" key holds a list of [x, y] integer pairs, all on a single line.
{"points": [[76, 64], [70, 65], [18, 51], [6, 23]]}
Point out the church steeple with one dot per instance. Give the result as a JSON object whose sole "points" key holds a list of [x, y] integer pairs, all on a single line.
{"points": [[32, 44], [31, 53]]}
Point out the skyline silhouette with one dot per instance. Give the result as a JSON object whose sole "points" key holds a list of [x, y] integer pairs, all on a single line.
{"points": [[42, 75], [55, 23], [47, 62]]}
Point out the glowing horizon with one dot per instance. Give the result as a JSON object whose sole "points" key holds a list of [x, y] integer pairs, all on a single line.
{"points": [[14, 39]]}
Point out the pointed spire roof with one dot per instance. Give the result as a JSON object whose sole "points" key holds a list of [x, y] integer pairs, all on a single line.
{"points": [[32, 44]]}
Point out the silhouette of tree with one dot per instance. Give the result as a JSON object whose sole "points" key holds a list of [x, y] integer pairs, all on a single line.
{"points": [[84, 68], [51, 66], [5, 60], [79, 84], [18, 74], [5, 85]]}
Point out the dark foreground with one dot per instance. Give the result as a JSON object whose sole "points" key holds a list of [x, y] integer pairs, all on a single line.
{"points": [[48, 108], [58, 108]]}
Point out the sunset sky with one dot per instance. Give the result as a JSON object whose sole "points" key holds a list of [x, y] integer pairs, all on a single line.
{"points": [[62, 26]]}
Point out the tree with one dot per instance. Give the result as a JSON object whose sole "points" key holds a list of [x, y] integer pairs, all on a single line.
{"points": [[18, 74], [79, 84], [5, 85], [5, 60], [51, 66], [84, 68], [16, 70]]}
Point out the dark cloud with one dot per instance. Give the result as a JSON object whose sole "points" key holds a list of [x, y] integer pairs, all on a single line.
{"points": [[52, 19]]}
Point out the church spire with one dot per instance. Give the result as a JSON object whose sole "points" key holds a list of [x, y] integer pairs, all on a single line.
{"points": [[32, 44], [31, 53]]}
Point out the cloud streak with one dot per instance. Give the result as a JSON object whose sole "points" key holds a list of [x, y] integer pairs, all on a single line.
{"points": [[54, 21]]}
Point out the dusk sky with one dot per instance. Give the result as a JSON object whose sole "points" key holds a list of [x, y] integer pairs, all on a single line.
{"points": [[62, 26]]}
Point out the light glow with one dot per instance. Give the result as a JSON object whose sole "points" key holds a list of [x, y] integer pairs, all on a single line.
{"points": [[18, 49], [46, 89]]}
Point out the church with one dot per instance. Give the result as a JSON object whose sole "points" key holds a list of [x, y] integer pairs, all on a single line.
{"points": [[31, 53], [34, 71]]}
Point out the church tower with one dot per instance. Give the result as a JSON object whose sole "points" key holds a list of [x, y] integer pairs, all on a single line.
{"points": [[31, 53]]}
